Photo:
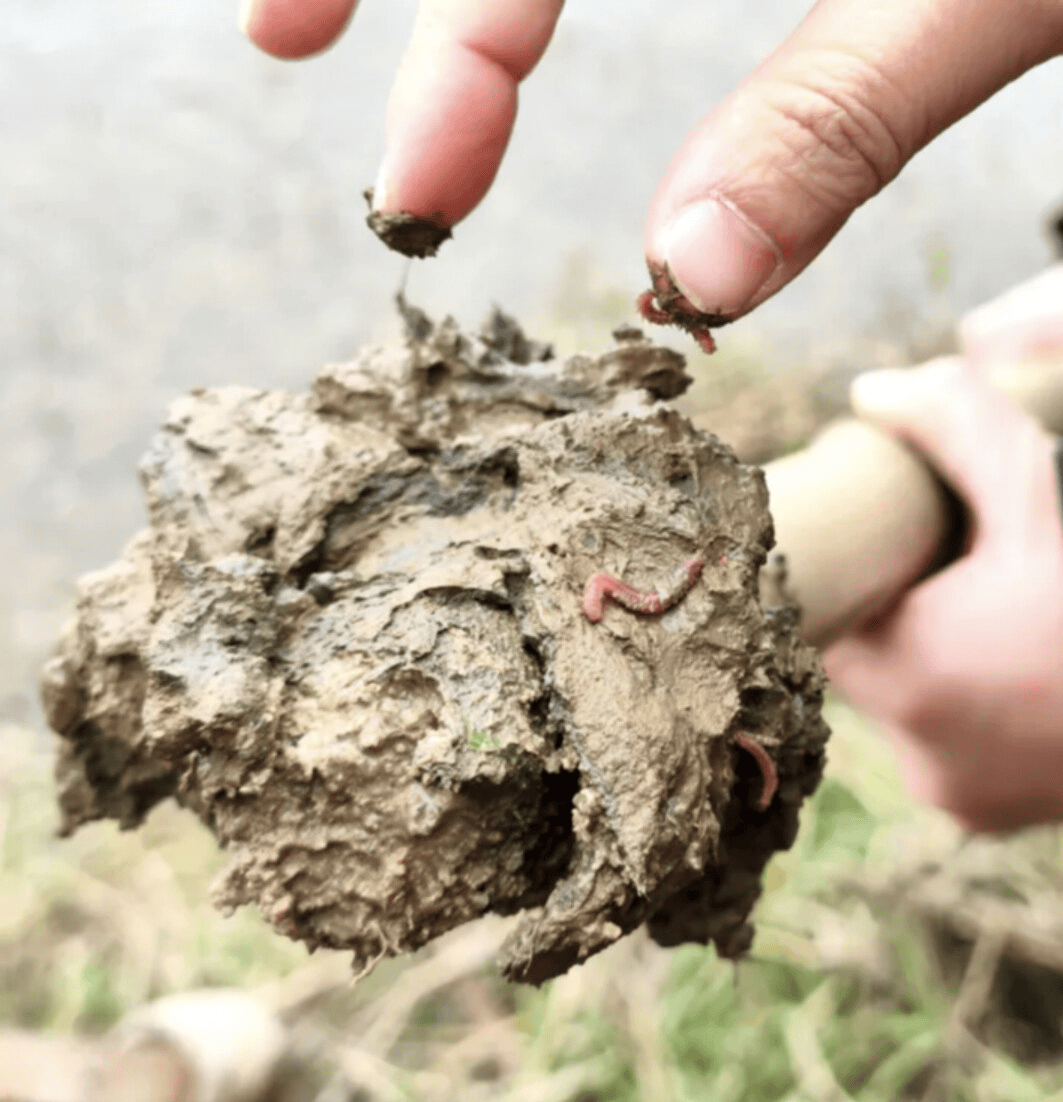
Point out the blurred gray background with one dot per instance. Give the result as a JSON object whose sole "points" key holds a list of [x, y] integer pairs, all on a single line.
{"points": [[178, 210]]}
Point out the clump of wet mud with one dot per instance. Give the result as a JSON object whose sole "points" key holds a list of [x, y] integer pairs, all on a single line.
{"points": [[404, 233], [351, 641]]}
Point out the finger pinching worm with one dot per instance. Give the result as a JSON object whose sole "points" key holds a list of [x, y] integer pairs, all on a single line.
{"points": [[665, 304], [646, 601]]}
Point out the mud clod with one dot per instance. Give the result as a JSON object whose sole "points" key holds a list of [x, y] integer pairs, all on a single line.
{"points": [[404, 233], [351, 642]]}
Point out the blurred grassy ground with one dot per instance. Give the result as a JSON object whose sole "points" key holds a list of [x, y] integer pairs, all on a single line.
{"points": [[850, 993]]}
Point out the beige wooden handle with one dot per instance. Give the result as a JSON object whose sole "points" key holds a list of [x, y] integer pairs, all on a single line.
{"points": [[860, 516]]}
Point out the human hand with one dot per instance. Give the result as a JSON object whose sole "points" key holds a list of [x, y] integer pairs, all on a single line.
{"points": [[454, 100], [768, 176], [965, 675]]}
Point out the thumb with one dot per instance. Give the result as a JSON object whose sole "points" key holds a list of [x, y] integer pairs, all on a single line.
{"points": [[996, 457], [774, 170]]}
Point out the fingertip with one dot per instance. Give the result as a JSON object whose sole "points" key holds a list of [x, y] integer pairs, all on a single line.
{"points": [[383, 190], [876, 394], [992, 453], [893, 396], [717, 257], [450, 118], [290, 29], [1024, 322]]}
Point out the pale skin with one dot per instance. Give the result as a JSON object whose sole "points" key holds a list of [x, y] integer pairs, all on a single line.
{"points": [[964, 675], [767, 177]]}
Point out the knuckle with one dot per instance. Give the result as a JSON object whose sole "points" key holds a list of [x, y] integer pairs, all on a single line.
{"points": [[843, 129]]}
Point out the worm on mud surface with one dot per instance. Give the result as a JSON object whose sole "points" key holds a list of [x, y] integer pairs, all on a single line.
{"points": [[650, 602], [646, 601], [767, 769]]}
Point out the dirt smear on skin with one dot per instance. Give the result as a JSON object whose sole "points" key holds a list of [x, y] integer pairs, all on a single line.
{"points": [[351, 641]]}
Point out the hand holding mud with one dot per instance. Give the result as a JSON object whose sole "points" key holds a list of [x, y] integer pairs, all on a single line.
{"points": [[966, 674], [768, 176]]}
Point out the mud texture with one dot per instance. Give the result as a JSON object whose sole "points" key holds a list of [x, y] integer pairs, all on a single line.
{"points": [[406, 233], [351, 641]]}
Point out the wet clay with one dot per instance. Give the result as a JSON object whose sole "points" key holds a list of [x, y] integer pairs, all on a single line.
{"points": [[351, 641], [404, 233]]}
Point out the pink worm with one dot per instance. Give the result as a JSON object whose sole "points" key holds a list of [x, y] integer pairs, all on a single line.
{"points": [[767, 769], [684, 316], [648, 601]]}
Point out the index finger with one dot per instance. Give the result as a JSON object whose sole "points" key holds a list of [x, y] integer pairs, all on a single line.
{"points": [[454, 102], [290, 29]]}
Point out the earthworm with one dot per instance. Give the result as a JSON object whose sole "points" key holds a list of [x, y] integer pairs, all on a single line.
{"points": [[767, 768], [665, 304], [648, 308], [649, 601], [600, 586]]}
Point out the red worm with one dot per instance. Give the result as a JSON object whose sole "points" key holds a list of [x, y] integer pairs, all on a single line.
{"points": [[767, 769], [705, 340], [648, 601], [646, 304], [665, 305]]}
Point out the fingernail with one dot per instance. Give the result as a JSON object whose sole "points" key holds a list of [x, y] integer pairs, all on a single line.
{"points": [[249, 10], [716, 258], [382, 188]]}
